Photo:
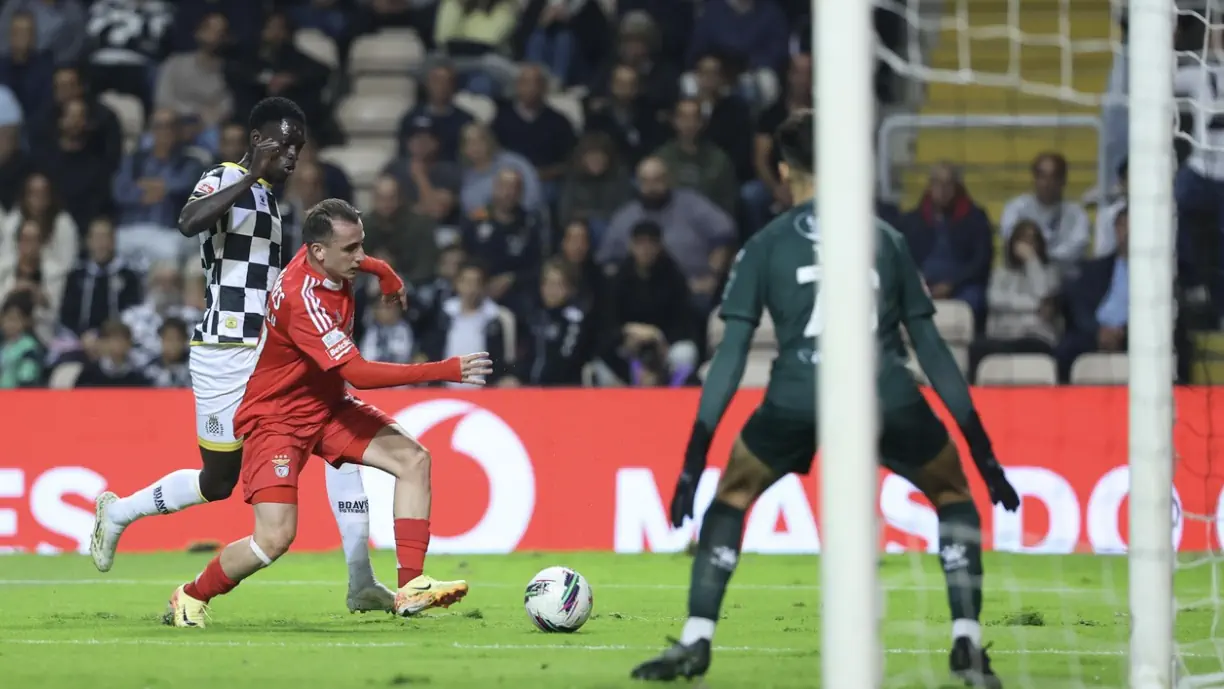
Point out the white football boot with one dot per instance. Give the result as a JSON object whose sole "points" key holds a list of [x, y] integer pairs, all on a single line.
{"points": [[106, 533], [372, 598]]}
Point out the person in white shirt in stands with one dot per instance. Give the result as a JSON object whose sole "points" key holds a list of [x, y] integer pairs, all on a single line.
{"points": [[1063, 223]]}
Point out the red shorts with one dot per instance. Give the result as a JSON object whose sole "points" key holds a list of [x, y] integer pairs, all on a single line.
{"points": [[274, 456]]}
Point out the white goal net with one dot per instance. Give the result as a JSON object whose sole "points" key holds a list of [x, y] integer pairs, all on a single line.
{"points": [[1106, 577]]}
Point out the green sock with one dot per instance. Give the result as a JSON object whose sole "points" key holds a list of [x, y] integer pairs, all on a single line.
{"points": [[717, 554], [960, 550]]}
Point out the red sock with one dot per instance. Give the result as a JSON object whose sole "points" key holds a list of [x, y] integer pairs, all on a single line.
{"points": [[212, 582], [411, 542]]}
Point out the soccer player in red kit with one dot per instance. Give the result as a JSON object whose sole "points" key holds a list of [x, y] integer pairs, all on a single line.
{"points": [[297, 404]]}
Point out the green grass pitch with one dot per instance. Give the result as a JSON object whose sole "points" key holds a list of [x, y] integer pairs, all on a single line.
{"points": [[1056, 623]]}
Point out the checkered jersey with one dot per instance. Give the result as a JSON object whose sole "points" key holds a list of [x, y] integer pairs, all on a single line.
{"points": [[241, 257]]}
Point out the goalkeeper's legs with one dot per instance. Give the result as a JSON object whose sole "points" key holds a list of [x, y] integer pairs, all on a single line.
{"points": [[942, 480], [744, 480]]}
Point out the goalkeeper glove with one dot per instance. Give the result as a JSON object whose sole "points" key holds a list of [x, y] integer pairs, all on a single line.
{"points": [[694, 464]]}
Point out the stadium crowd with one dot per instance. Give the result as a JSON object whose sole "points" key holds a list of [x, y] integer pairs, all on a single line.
{"points": [[584, 247]]}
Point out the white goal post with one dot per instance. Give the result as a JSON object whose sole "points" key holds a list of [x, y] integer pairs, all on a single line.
{"points": [[843, 40]]}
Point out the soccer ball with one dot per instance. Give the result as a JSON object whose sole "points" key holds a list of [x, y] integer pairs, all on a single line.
{"points": [[558, 599]]}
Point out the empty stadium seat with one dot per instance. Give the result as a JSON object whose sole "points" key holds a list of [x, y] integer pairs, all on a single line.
{"points": [[372, 115], [481, 107], [385, 85], [363, 198], [1100, 369], [362, 163], [317, 45], [1017, 369], [954, 319], [569, 106], [130, 112], [390, 51]]}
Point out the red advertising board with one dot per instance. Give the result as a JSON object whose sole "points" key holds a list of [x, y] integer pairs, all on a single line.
{"points": [[592, 470]]}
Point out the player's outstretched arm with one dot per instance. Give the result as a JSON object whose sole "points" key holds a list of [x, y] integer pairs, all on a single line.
{"points": [[371, 375]]}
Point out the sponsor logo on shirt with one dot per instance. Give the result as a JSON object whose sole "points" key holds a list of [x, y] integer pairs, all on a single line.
{"points": [[337, 343]]}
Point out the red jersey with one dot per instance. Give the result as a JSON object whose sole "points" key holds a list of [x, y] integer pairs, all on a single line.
{"points": [[306, 336]]}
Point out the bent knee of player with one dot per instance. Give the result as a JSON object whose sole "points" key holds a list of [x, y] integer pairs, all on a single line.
{"points": [[744, 479], [413, 464], [273, 540]]}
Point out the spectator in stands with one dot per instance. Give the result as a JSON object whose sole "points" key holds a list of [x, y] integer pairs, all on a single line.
{"points": [[421, 15], [169, 369], [596, 186], [1104, 242], [1064, 223], [14, 163], [388, 337], [113, 366], [531, 128], [476, 34], [245, 19], [273, 66], [697, 163], [233, 143], [163, 300], [468, 319], [437, 112], [649, 326], [408, 236], [426, 298], [334, 18], [555, 335], [101, 286], [150, 190], [25, 69], [951, 240], [728, 119], [1022, 302], [21, 353], [103, 130], [80, 175], [564, 35], [627, 117], [751, 30], [639, 47], [129, 38], [195, 82], [508, 239], [692, 226], [482, 161], [59, 27], [766, 194], [420, 170], [1097, 304], [336, 182], [30, 275], [53, 232], [575, 254], [305, 188]]}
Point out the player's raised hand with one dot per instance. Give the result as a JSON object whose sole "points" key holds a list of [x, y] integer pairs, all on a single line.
{"points": [[266, 153], [400, 297], [474, 368]]}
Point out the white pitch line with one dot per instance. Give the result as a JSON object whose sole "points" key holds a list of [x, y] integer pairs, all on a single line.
{"points": [[204, 643], [501, 585]]}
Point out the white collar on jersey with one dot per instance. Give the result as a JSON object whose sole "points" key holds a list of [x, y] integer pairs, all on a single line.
{"points": [[332, 284]]}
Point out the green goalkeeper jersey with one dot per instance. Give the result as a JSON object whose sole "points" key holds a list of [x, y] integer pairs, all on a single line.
{"points": [[779, 270]]}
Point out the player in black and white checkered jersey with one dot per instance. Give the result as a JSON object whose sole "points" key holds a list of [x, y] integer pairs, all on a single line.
{"points": [[236, 216]]}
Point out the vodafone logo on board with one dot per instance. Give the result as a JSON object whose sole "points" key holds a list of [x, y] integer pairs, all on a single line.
{"points": [[495, 447]]}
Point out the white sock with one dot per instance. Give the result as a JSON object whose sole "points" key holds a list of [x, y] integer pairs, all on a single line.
{"points": [[696, 629], [171, 493], [351, 508], [970, 629]]}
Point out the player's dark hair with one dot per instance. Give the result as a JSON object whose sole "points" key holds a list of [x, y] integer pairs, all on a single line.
{"points": [[796, 142], [317, 227], [273, 110]]}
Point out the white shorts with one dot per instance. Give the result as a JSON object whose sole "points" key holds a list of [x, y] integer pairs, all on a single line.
{"points": [[219, 376]]}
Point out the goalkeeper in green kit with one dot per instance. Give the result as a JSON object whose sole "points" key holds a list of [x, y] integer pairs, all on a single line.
{"points": [[776, 270]]}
